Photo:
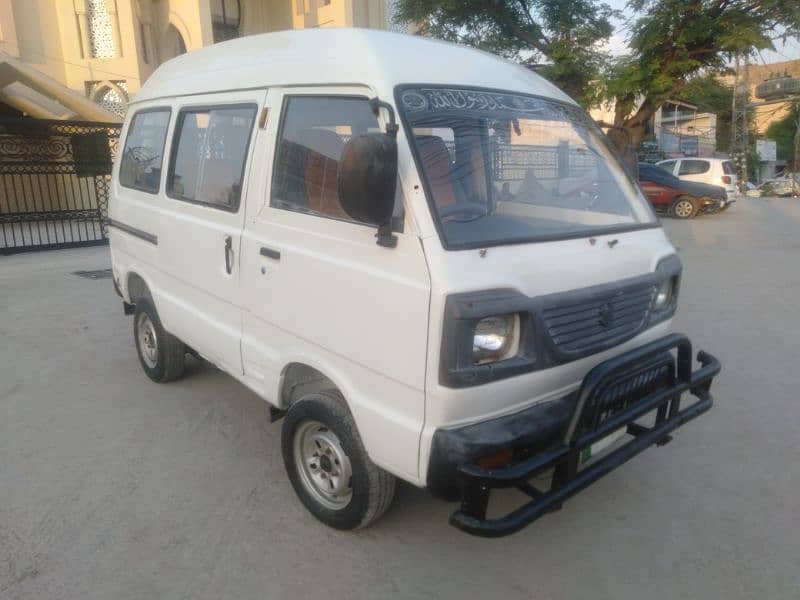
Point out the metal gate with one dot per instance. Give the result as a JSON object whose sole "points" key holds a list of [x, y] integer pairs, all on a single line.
{"points": [[54, 183]]}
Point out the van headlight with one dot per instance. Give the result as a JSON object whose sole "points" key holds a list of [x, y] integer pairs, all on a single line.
{"points": [[495, 339], [664, 294]]}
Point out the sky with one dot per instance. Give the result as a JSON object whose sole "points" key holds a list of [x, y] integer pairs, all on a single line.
{"points": [[789, 51]]}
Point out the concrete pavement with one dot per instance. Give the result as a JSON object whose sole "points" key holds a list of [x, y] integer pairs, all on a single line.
{"points": [[114, 487]]}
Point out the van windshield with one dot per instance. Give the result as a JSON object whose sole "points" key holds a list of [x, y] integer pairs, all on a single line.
{"points": [[505, 168]]}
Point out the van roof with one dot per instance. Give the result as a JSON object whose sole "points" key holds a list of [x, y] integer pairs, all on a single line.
{"points": [[378, 59]]}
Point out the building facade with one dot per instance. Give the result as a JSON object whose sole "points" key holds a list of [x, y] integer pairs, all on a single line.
{"points": [[676, 129], [104, 50], [764, 116]]}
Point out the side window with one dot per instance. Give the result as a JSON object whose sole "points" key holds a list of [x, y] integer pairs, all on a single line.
{"points": [[727, 167], [668, 166], [209, 151], [693, 167], [313, 135], [140, 166]]}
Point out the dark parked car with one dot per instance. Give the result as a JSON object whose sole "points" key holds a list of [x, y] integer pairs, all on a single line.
{"points": [[678, 198]]}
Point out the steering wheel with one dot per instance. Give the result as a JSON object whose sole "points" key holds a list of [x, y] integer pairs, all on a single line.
{"points": [[468, 209], [141, 154]]}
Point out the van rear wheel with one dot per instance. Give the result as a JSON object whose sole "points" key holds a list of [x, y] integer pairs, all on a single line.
{"points": [[161, 354], [328, 466]]}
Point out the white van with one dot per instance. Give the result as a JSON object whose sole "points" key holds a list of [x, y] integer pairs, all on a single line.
{"points": [[426, 259]]}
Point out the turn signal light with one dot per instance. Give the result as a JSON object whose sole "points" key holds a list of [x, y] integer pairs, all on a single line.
{"points": [[496, 460]]}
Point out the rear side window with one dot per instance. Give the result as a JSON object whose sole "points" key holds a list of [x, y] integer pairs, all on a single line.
{"points": [[209, 151], [314, 133], [694, 167], [727, 167], [140, 166]]}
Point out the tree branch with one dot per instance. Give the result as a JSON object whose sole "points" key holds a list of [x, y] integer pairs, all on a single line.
{"points": [[508, 21]]}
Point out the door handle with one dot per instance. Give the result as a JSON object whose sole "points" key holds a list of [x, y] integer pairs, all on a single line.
{"points": [[270, 253], [228, 254]]}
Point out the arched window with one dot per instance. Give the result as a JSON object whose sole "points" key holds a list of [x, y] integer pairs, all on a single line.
{"points": [[111, 100], [111, 95], [226, 17], [101, 29], [173, 45]]}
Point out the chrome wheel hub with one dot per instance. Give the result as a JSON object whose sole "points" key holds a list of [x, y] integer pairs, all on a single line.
{"points": [[683, 209], [322, 464], [148, 342]]}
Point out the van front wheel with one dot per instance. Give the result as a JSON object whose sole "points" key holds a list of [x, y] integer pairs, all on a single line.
{"points": [[161, 354], [328, 466]]}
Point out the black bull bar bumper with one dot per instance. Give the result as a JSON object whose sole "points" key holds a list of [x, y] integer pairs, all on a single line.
{"points": [[614, 395]]}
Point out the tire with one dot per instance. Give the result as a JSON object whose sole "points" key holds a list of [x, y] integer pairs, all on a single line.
{"points": [[684, 208], [161, 354], [361, 492]]}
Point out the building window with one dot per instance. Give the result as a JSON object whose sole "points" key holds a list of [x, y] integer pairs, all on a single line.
{"points": [[101, 29], [111, 95], [226, 17], [174, 45], [111, 100]]}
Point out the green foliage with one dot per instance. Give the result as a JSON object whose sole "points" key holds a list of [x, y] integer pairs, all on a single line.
{"points": [[783, 132], [562, 34], [710, 95], [671, 43], [673, 40]]}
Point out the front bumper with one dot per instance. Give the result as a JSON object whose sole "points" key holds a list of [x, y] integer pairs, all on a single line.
{"points": [[711, 205], [615, 395]]}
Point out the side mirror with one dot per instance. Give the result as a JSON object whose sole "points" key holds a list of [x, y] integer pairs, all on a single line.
{"points": [[367, 182]]}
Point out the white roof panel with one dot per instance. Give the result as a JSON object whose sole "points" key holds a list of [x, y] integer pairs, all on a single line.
{"points": [[378, 59]]}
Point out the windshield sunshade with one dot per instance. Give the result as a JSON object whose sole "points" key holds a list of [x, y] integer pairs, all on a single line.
{"points": [[504, 168]]}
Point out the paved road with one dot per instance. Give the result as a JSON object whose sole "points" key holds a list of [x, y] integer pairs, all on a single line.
{"points": [[115, 487]]}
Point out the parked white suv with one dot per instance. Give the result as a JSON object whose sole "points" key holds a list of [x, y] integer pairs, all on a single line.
{"points": [[714, 171]]}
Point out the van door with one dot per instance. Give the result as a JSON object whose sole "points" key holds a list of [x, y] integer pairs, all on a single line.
{"points": [[202, 222], [319, 291]]}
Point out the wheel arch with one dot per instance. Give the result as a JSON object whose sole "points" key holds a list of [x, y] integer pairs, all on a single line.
{"points": [[304, 375], [299, 378], [136, 287]]}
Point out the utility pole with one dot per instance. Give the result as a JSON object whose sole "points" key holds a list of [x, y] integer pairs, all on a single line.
{"points": [[796, 169], [739, 121]]}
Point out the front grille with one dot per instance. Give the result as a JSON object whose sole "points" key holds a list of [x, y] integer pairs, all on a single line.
{"points": [[588, 325]]}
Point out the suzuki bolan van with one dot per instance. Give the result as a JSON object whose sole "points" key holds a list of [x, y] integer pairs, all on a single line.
{"points": [[426, 259]]}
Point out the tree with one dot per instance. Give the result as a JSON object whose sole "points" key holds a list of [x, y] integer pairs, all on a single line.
{"points": [[709, 94], [674, 40], [562, 34]]}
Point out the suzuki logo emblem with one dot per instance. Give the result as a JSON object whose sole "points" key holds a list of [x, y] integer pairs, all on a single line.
{"points": [[606, 316]]}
